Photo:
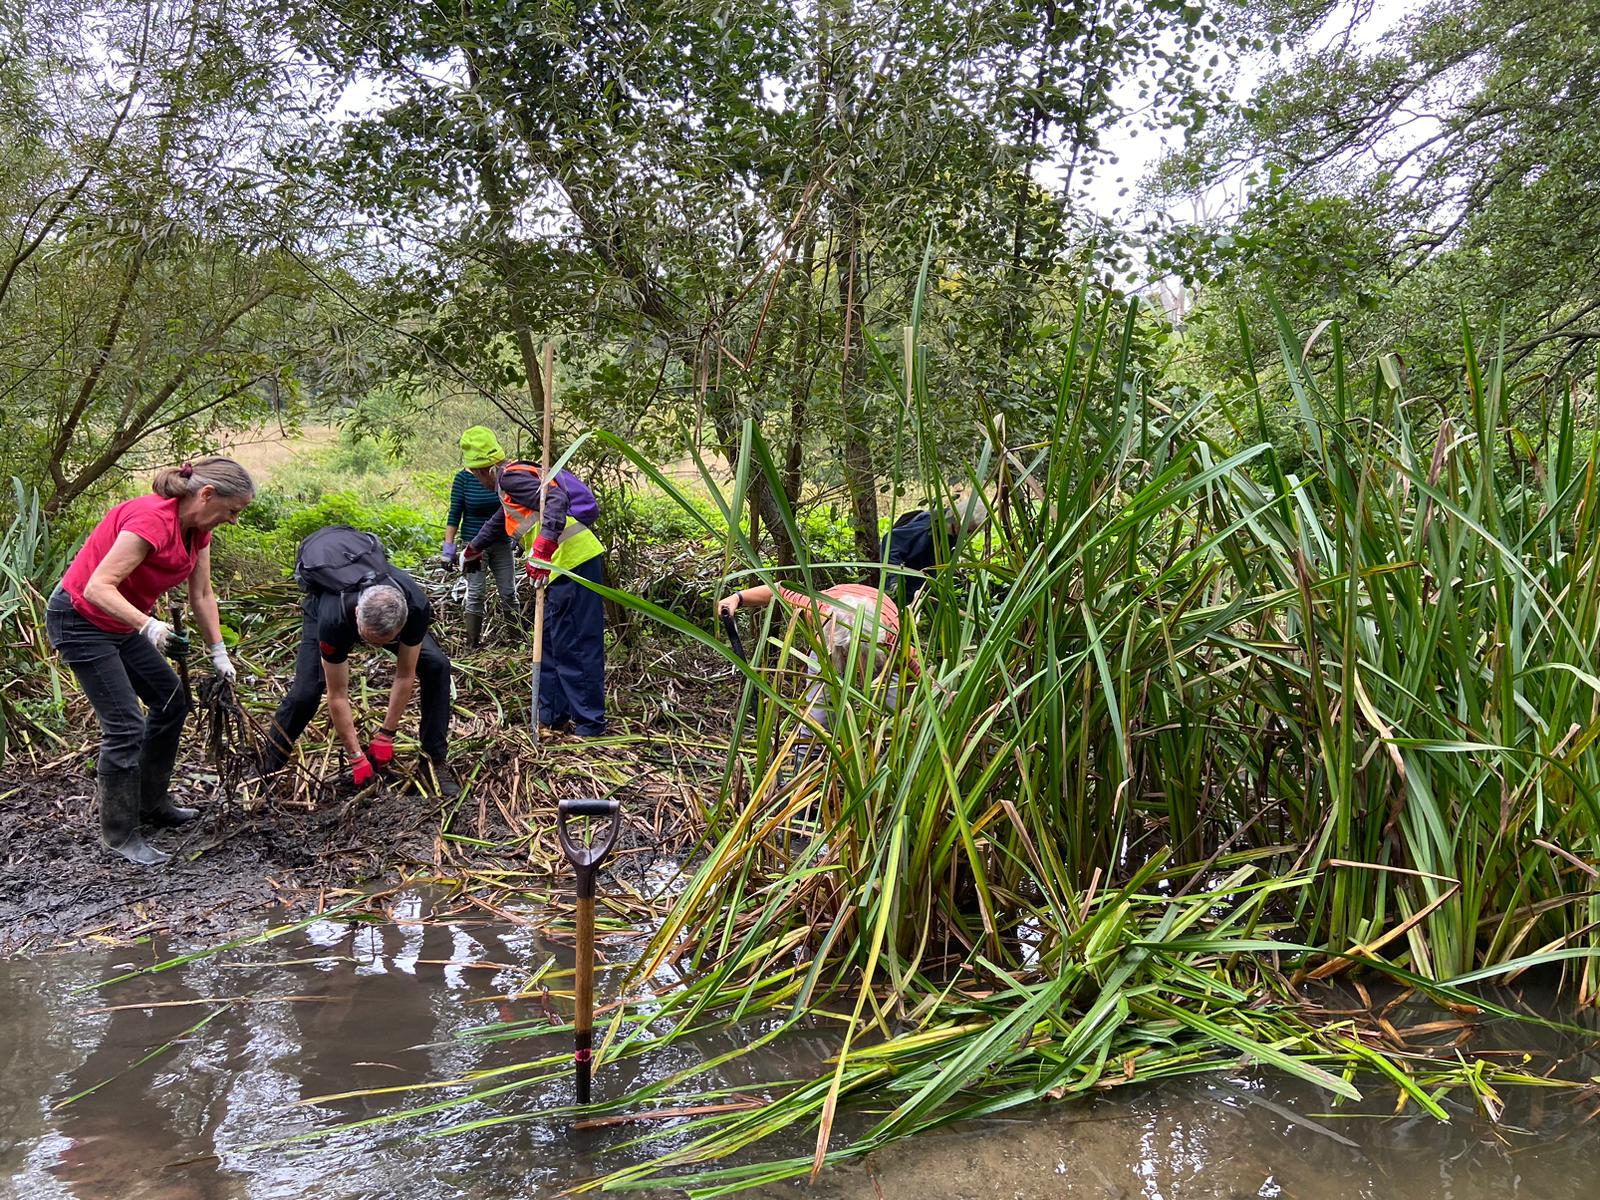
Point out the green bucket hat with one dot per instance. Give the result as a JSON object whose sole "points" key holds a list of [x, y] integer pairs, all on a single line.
{"points": [[479, 448]]}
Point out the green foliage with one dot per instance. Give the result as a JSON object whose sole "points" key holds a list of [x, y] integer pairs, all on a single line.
{"points": [[31, 564], [1447, 167], [153, 292], [272, 506], [1185, 723], [641, 516], [732, 218], [1371, 694], [262, 548]]}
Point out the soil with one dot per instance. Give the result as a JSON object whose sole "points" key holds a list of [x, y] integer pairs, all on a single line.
{"points": [[59, 885], [288, 843]]}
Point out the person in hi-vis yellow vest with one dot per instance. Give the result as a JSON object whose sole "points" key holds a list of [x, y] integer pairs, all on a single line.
{"points": [[560, 513]]}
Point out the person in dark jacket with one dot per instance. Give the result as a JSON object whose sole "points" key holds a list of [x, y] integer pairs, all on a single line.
{"points": [[471, 504], [389, 611], [912, 545], [560, 514]]}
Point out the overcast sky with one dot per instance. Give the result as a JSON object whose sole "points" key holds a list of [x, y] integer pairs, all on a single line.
{"points": [[1115, 193]]}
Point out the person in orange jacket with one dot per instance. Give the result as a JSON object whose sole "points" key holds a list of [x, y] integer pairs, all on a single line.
{"points": [[560, 514]]}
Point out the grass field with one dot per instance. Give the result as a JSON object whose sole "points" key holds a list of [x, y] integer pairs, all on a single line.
{"points": [[266, 452]]}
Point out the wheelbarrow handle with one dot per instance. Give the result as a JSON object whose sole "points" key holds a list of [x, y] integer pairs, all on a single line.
{"points": [[586, 859]]}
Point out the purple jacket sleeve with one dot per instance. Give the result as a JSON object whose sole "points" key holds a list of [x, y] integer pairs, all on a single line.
{"points": [[491, 531], [553, 512], [551, 503]]}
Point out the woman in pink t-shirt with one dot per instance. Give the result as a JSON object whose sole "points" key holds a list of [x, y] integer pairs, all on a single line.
{"points": [[101, 622]]}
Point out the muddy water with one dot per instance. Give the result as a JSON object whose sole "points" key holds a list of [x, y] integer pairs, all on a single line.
{"points": [[384, 1005]]}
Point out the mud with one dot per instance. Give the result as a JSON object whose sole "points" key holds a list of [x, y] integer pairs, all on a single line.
{"points": [[291, 840], [58, 884]]}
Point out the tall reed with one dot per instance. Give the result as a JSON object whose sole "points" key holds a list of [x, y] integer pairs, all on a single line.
{"points": [[1182, 729]]}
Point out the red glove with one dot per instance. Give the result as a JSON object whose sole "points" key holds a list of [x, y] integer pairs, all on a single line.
{"points": [[362, 772], [471, 554], [381, 752], [539, 558]]}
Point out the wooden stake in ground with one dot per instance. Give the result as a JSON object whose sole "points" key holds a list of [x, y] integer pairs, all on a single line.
{"points": [[544, 484]]}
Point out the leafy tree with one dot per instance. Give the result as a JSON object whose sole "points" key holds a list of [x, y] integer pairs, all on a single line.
{"points": [[721, 202], [1449, 166], [151, 292]]}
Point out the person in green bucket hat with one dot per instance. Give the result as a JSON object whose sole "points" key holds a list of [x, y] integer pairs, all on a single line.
{"points": [[559, 514], [471, 504]]}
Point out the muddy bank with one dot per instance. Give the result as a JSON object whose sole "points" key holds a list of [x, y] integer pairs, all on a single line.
{"points": [[58, 886], [290, 840]]}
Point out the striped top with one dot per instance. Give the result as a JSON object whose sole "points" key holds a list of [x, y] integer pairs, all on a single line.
{"points": [[471, 504]]}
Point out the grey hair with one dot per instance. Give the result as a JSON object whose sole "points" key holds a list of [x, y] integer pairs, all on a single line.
{"points": [[967, 515], [226, 477], [382, 609]]}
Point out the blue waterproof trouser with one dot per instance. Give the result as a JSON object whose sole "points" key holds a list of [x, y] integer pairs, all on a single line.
{"points": [[572, 677]]}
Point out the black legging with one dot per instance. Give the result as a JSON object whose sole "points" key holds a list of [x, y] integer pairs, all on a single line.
{"points": [[116, 672]]}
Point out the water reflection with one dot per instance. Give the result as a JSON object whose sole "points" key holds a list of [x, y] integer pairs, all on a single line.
{"points": [[344, 1006]]}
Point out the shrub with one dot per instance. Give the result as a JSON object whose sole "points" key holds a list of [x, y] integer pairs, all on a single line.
{"points": [[260, 550], [268, 509], [645, 517], [406, 534]]}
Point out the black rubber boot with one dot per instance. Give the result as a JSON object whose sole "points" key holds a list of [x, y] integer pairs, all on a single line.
{"points": [[439, 779], [119, 817], [474, 630], [155, 781]]}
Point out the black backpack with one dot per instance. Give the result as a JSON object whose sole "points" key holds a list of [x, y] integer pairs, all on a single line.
{"points": [[338, 559]]}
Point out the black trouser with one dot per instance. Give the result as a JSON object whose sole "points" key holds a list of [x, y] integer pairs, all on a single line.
{"points": [[305, 695], [116, 671]]}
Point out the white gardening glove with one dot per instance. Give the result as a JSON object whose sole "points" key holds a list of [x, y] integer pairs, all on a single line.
{"points": [[221, 663], [157, 633]]}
